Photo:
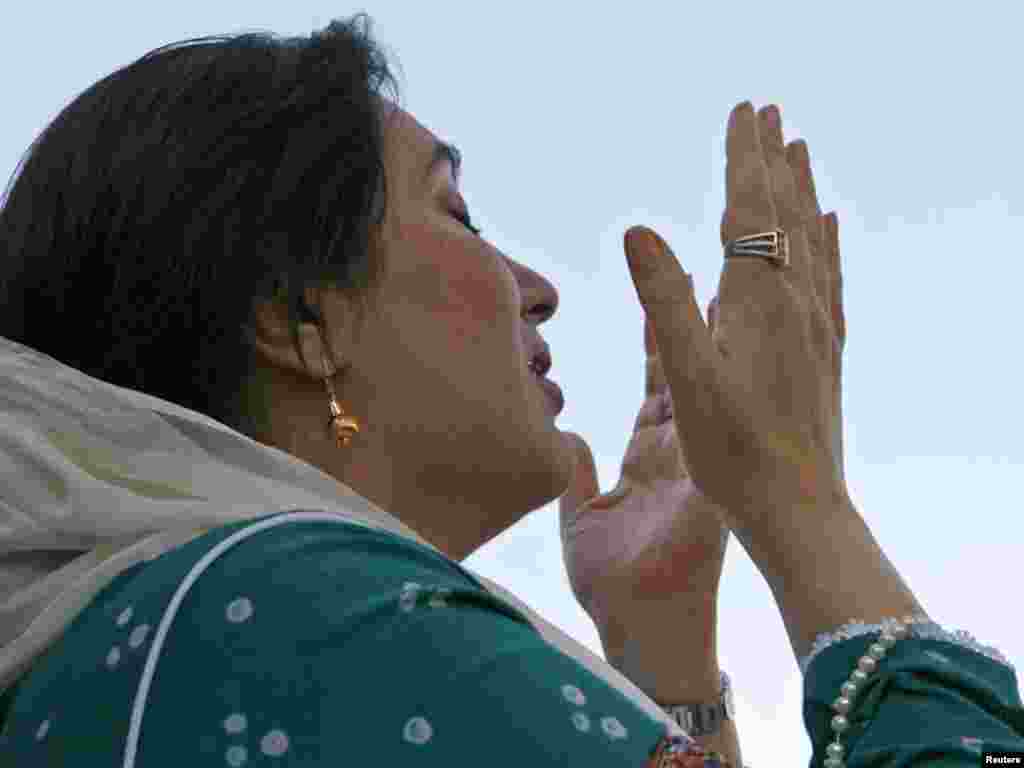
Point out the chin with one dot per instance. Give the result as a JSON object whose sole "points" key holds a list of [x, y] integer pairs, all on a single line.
{"points": [[567, 461], [521, 481], [554, 476], [539, 458], [556, 452]]}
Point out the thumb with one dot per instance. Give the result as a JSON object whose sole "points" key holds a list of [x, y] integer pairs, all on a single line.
{"points": [[583, 485], [688, 355]]}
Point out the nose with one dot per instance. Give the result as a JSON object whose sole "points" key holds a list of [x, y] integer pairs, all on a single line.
{"points": [[539, 296]]}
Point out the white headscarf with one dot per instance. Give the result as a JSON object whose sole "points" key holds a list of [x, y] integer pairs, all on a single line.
{"points": [[95, 478]]}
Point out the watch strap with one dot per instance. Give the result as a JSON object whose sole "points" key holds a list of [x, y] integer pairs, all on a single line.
{"points": [[704, 719]]}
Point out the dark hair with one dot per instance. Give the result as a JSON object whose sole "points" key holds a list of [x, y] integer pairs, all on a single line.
{"points": [[166, 198]]}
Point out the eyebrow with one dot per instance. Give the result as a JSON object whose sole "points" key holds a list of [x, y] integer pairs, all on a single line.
{"points": [[444, 152]]}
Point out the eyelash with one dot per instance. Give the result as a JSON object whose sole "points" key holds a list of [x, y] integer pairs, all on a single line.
{"points": [[463, 218]]}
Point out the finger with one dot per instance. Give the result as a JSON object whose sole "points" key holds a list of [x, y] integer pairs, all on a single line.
{"points": [[650, 345], [799, 160], [583, 485], [657, 405], [654, 383], [783, 183], [703, 405], [784, 191], [654, 411], [831, 223], [750, 207], [654, 378], [747, 285], [713, 325]]}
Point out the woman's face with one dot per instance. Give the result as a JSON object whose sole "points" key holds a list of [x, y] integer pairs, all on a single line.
{"points": [[458, 435]]}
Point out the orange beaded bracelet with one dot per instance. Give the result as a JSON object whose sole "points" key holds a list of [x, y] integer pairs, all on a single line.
{"points": [[679, 751]]}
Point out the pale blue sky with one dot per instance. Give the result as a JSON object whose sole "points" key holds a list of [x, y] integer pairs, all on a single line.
{"points": [[579, 120]]}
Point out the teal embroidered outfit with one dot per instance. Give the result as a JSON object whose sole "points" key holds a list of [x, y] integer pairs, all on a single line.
{"points": [[321, 642], [172, 592]]}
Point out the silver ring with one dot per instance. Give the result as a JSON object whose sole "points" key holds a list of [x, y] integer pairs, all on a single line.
{"points": [[773, 246]]}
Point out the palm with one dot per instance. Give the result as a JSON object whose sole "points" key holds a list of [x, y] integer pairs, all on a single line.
{"points": [[655, 537]]}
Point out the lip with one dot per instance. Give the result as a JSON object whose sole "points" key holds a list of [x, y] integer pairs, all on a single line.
{"points": [[553, 391]]}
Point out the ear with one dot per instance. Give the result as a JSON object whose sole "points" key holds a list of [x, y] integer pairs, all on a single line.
{"points": [[271, 336]]}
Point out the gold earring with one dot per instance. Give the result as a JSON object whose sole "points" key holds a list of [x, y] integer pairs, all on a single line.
{"points": [[344, 427]]}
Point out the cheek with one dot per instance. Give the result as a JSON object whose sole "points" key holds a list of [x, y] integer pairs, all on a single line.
{"points": [[468, 295], [473, 309]]}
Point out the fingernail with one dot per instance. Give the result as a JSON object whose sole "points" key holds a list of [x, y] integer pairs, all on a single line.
{"points": [[742, 106], [642, 241], [800, 150], [652, 242]]}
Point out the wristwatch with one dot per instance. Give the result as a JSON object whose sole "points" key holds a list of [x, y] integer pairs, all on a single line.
{"points": [[705, 719]]}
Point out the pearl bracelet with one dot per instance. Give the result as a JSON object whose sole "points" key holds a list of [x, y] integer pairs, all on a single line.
{"points": [[683, 752], [893, 631]]}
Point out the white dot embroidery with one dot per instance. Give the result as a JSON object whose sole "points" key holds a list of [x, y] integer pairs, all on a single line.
{"points": [[574, 695], [613, 728], [43, 730], [274, 743], [418, 730], [239, 609], [235, 723], [581, 721], [937, 656], [113, 657], [125, 617], [236, 756], [138, 636]]}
